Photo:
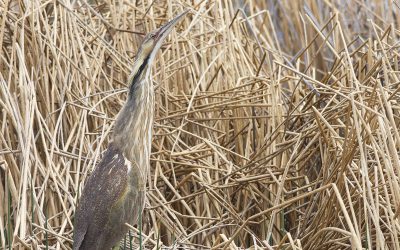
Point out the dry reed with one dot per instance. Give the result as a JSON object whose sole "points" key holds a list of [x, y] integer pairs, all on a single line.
{"points": [[277, 122]]}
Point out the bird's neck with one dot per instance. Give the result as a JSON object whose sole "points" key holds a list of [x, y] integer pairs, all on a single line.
{"points": [[141, 70], [133, 127]]}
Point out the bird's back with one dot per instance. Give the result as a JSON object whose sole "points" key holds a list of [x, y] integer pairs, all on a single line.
{"points": [[107, 203]]}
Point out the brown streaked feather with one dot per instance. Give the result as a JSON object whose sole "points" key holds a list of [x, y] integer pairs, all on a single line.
{"points": [[105, 202]]}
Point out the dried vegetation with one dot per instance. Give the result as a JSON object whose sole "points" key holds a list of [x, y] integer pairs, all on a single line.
{"points": [[277, 124]]}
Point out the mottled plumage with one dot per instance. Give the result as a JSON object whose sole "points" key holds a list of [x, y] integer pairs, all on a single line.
{"points": [[114, 194], [112, 200]]}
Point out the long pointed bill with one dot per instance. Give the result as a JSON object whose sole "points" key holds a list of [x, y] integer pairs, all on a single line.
{"points": [[164, 30]]}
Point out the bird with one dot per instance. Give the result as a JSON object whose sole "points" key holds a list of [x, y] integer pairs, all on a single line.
{"points": [[114, 194]]}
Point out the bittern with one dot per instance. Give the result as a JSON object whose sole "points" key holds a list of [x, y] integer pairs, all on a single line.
{"points": [[115, 192]]}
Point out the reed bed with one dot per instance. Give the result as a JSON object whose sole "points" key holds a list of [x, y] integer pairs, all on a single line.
{"points": [[277, 122]]}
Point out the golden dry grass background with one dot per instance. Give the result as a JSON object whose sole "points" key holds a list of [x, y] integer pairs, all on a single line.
{"points": [[277, 122]]}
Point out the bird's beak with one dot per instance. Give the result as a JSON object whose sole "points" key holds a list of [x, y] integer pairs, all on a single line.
{"points": [[164, 30]]}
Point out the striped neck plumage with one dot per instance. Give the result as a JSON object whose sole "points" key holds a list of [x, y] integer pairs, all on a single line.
{"points": [[139, 72], [132, 130]]}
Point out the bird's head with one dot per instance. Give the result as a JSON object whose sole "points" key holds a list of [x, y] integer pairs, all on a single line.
{"points": [[153, 41]]}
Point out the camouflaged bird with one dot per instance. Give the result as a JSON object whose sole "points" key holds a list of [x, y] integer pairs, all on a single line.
{"points": [[115, 192]]}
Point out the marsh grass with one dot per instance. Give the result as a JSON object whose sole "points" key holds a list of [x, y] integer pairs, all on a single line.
{"points": [[277, 124]]}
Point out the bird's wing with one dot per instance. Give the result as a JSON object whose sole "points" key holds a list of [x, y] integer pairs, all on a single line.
{"points": [[108, 182]]}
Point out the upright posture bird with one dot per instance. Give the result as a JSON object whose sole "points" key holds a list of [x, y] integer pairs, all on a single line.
{"points": [[114, 193]]}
